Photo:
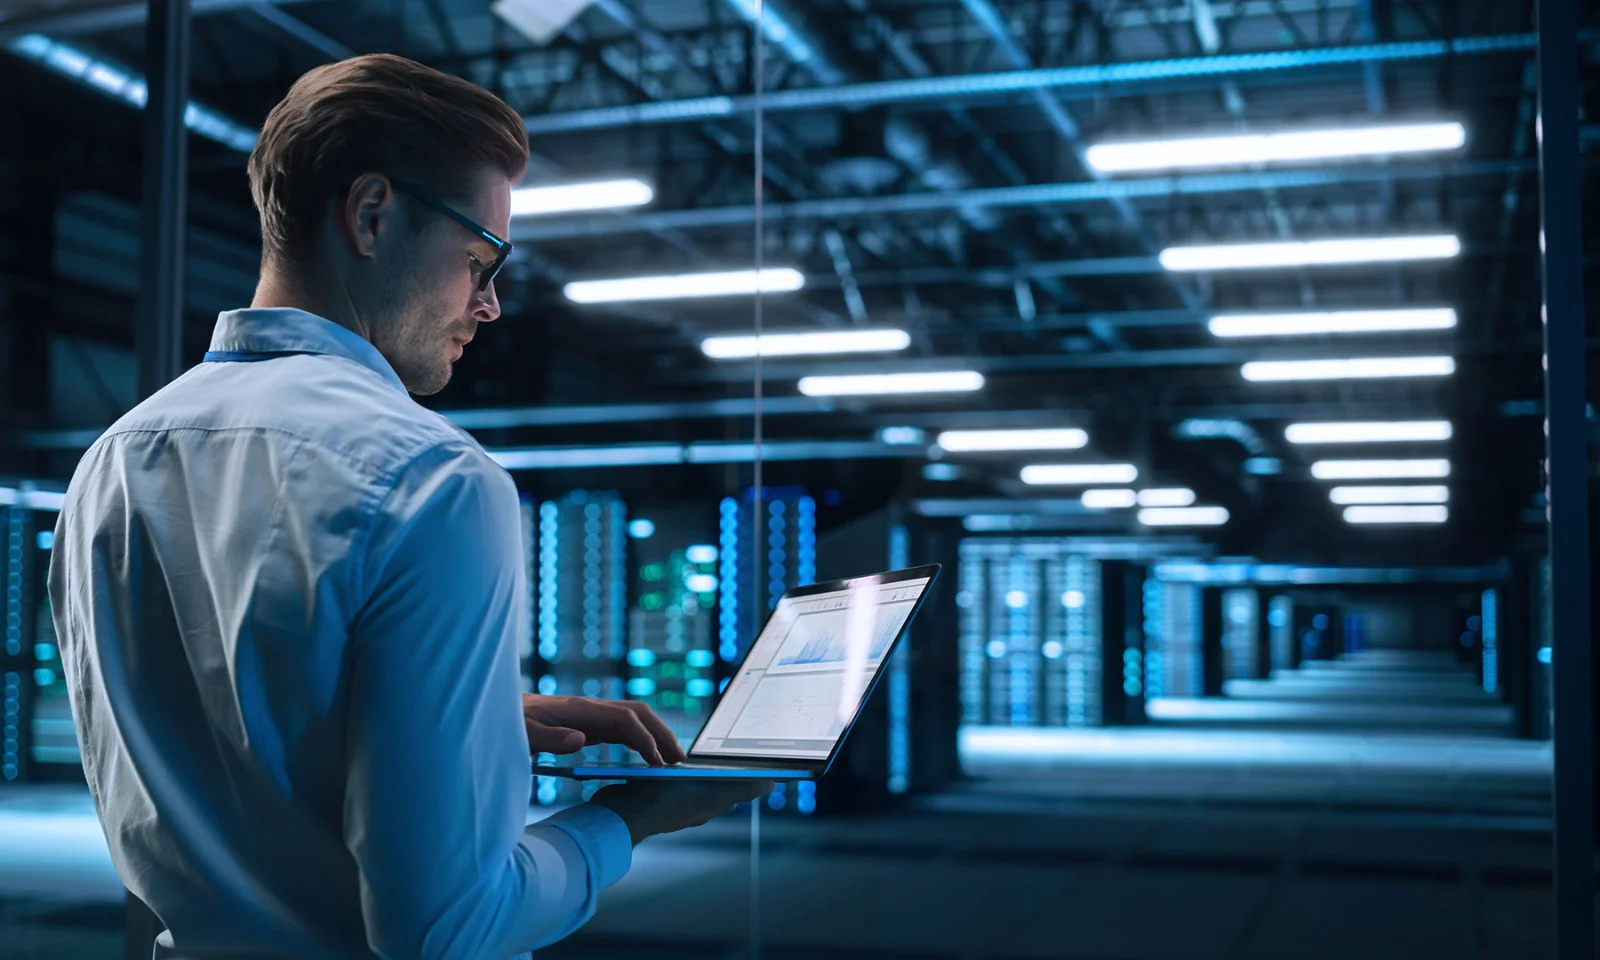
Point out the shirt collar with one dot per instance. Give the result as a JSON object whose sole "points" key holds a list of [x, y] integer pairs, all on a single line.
{"points": [[285, 329]]}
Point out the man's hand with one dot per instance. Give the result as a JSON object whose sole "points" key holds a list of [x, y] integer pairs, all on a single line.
{"points": [[568, 724], [655, 808]]}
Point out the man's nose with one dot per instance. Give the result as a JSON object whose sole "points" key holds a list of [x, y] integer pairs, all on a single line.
{"points": [[486, 305]]}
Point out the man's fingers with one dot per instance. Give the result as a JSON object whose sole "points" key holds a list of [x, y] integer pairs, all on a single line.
{"points": [[548, 739], [631, 724], [631, 732], [671, 752]]}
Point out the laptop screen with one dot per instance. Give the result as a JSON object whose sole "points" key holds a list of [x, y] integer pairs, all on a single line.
{"points": [[809, 671]]}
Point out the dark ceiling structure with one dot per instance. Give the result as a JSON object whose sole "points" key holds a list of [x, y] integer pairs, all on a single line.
{"points": [[924, 165]]}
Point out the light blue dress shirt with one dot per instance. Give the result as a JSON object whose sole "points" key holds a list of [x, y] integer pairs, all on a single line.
{"points": [[287, 598]]}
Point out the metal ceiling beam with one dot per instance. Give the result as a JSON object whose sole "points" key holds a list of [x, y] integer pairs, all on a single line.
{"points": [[1210, 38], [1103, 79], [1047, 194], [1060, 120], [299, 31], [112, 16]]}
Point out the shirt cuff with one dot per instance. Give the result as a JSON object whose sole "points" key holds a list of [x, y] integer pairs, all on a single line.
{"points": [[600, 833]]}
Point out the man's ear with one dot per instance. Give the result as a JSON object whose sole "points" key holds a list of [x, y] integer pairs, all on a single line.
{"points": [[368, 209]]}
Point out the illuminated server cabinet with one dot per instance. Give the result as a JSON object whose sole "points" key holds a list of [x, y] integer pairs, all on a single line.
{"points": [[671, 661], [1174, 663], [580, 587], [1240, 634], [37, 739], [1030, 634], [1280, 623], [748, 587]]}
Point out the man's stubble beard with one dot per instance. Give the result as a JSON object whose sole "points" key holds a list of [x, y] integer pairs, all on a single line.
{"points": [[410, 340]]}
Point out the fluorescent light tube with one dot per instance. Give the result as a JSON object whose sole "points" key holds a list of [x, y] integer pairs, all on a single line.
{"points": [[1339, 321], [1358, 368], [1344, 496], [1306, 253], [1166, 497], [1389, 514], [1183, 516], [571, 197], [32, 499], [878, 384], [1080, 473], [550, 458], [1380, 469], [969, 441], [801, 344], [1109, 499], [1275, 147], [1401, 431], [682, 285]]}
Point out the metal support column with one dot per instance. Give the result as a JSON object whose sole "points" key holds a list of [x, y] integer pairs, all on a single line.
{"points": [[159, 334], [166, 171], [1567, 473]]}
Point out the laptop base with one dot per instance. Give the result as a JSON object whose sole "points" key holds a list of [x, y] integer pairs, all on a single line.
{"points": [[680, 771]]}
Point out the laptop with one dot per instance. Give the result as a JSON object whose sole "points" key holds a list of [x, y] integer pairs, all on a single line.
{"points": [[797, 693]]}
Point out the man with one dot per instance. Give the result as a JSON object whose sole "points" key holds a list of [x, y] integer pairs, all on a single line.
{"points": [[287, 595]]}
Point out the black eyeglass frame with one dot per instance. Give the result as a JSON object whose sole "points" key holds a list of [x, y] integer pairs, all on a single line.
{"points": [[490, 270]]}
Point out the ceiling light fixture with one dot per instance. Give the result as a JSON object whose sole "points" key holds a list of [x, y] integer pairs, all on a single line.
{"points": [[539, 201], [1079, 473], [1345, 496], [1392, 514], [1380, 469], [1339, 321], [1183, 516], [979, 441], [1166, 497], [804, 344], [1308, 253], [1358, 368], [1109, 499], [1401, 431], [1275, 147], [880, 384], [683, 285]]}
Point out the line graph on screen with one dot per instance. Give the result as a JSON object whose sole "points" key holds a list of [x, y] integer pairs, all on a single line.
{"points": [[830, 641]]}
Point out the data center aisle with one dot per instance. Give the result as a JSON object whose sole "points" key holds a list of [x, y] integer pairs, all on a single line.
{"points": [[1340, 835], [1377, 808]]}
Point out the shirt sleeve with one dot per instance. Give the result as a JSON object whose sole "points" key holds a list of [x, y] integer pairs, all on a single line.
{"points": [[439, 773]]}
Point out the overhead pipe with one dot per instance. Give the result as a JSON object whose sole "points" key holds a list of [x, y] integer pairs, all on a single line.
{"points": [[1065, 194], [1100, 78]]}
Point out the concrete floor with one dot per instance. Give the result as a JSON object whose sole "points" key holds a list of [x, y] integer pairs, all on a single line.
{"points": [[1237, 840]]}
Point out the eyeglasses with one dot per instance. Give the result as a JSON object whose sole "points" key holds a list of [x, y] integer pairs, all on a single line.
{"points": [[486, 272]]}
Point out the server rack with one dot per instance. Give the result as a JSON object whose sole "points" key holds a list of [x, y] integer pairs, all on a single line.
{"points": [[1030, 634], [671, 660], [1122, 643], [767, 544], [581, 607], [1280, 623], [1241, 634], [1182, 658], [37, 737]]}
